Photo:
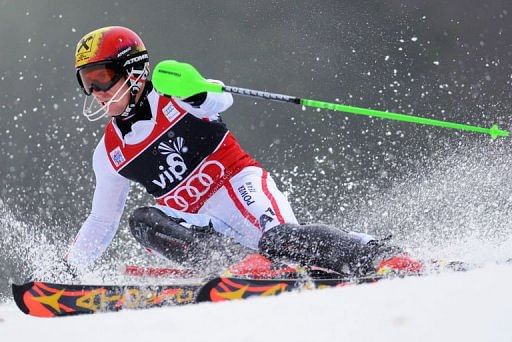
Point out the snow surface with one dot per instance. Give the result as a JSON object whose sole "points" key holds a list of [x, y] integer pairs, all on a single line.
{"points": [[471, 306]]}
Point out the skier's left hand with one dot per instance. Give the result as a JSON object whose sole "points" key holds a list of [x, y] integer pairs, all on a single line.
{"points": [[181, 80], [196, 100]]}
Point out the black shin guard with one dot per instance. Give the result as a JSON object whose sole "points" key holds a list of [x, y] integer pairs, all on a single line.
{"points": [[157, 231], [318, 245], [195, 246]]}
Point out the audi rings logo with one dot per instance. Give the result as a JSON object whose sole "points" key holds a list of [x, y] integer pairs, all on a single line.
{"points": [[196, 186]]}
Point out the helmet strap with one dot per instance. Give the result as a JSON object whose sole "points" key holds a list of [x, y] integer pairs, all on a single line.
{"points": [[135, 87]]}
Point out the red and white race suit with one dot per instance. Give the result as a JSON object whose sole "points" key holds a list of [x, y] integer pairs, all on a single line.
{"points": [[194, 167]]}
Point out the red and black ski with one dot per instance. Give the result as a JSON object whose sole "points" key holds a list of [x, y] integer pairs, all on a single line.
{"points": [[49, 300], [226, 289], [43, 299]]}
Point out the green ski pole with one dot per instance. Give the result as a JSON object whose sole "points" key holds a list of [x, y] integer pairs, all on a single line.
{"points": [[178, 79]]}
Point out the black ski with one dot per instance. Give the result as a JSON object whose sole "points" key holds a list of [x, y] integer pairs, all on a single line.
{"points": [[228, 288], [44, 299]]}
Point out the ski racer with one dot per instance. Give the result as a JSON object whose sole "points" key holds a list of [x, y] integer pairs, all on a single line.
{"points": [[208, 190]]}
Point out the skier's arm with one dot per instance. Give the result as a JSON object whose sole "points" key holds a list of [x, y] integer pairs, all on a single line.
{"points": [[207, 105], [99, 228]]}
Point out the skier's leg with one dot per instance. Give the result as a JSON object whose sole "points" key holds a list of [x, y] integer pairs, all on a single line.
{"points": [[324, 246], [247, 205], [181, 237], [252, 206]]}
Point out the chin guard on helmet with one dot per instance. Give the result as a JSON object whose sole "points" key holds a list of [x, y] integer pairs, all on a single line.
{"points": [[135, 80]]}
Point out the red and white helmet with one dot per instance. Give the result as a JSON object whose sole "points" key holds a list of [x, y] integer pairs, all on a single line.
{"points": [[102, 58]]}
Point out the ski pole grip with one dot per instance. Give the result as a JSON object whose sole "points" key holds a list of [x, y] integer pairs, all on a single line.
{"points": [[181, 80]]}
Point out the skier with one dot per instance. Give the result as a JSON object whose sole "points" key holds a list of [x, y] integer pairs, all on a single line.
{"points": [[208, 190]]}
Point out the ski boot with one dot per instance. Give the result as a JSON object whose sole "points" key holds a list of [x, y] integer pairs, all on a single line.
{"points": [[391, 260], [256, 266], [400, 265], [334, 249]]}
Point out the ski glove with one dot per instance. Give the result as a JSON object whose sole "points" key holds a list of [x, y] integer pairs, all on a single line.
{"points": [[196, 100]]}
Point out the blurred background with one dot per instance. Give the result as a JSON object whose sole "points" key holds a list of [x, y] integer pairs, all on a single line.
{"points": [[447, 60]]}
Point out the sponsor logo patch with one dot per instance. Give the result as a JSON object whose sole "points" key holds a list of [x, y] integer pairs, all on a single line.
{"points": [[124, 52], [264, 219], [170, 111], [176, 166], [245, 191], [136, 59], [198, 185], [117, 156], [87, 48]]}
